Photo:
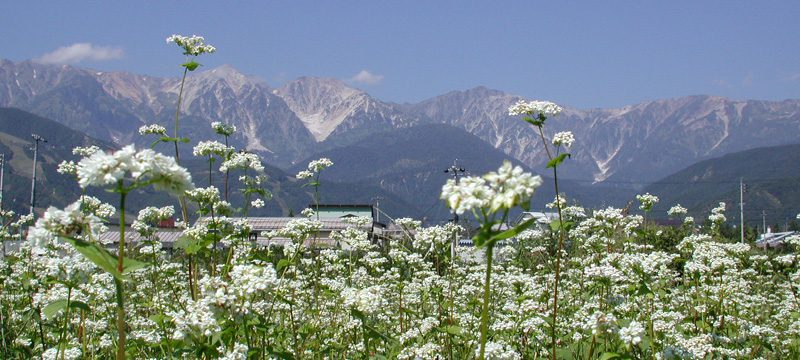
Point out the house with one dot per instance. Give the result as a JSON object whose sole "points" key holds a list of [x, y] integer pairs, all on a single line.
{"points": [[332, 217]]}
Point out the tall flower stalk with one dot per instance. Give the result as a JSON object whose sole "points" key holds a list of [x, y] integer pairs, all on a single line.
{"points": [[536, 113], [489, 199], [226, 130], [125, 171], [193, 46]]}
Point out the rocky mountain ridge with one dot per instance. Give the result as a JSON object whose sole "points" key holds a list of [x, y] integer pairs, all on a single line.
{"points": [[633, 145]]}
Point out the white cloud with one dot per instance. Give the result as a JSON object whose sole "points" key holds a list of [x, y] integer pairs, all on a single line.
{"points": [[366, 77], [78, 52]]}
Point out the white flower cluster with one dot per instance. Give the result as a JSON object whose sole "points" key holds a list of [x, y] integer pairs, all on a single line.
{"points": [[149, 217], [368, 300], [208, 148], [304, 174], [358, 221], [162, 171], [408, 223], [563, 138], [314, 167], [677, 210], [558, 201], [85, 151], [239, 352], [429, 238], [247, 280], [647, 201], [206, 195], [296, 229], [153, 129], [68, 222], [192, 45], [92, 205], [506, 188], [499, 351], [308, 213], [69, 353], [198, 319], [242, 160], [534, 107], [357, 239], [223, 129], [320, 164], [257, 203], [67, 168], [598, 323], [717, 216], [632, 334]]}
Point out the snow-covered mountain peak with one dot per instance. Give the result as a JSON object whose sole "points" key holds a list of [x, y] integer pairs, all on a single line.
{"points": [[321, 103]]}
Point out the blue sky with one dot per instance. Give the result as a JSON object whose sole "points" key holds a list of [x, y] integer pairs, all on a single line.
{"points": [[578, 53]]}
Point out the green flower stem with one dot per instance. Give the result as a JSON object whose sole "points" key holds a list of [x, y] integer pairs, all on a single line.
{"points": [[182, 197], [210, 164], [227, 171], [560, 246], [485, 308], [117, 282], [61, 347], [561, 233]]}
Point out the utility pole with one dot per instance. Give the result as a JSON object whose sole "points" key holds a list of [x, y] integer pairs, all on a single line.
{"points": [[742, 189], [36, 140], [378, 208], [2, 172], [763, 222], [454, 170]]}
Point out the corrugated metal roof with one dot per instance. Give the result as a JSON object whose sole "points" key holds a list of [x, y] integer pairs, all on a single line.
{"points": [[259, 225], [166, 236], [275, 223]]}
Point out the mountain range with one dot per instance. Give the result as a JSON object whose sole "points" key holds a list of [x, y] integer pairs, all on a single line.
{"points": [[626, 147], [771, 178]]}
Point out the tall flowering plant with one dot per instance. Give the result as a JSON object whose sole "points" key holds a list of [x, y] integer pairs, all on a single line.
{"points": [[121, 172], [193, 46], [489, 199], [536, 114]]}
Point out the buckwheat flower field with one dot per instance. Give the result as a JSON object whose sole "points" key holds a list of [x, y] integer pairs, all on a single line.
{"points": [[591, 284]]}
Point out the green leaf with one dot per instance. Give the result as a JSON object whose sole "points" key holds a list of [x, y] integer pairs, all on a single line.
{"points": [[160, 319], [557, 225], [609, 356], [191, 65], [54, 307], [130, 265], [282, 264], [534, 122], [454, 330], [370, 331], [513, 231], [105, 260], [483, 235], [557, 160], [98, 255]]}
